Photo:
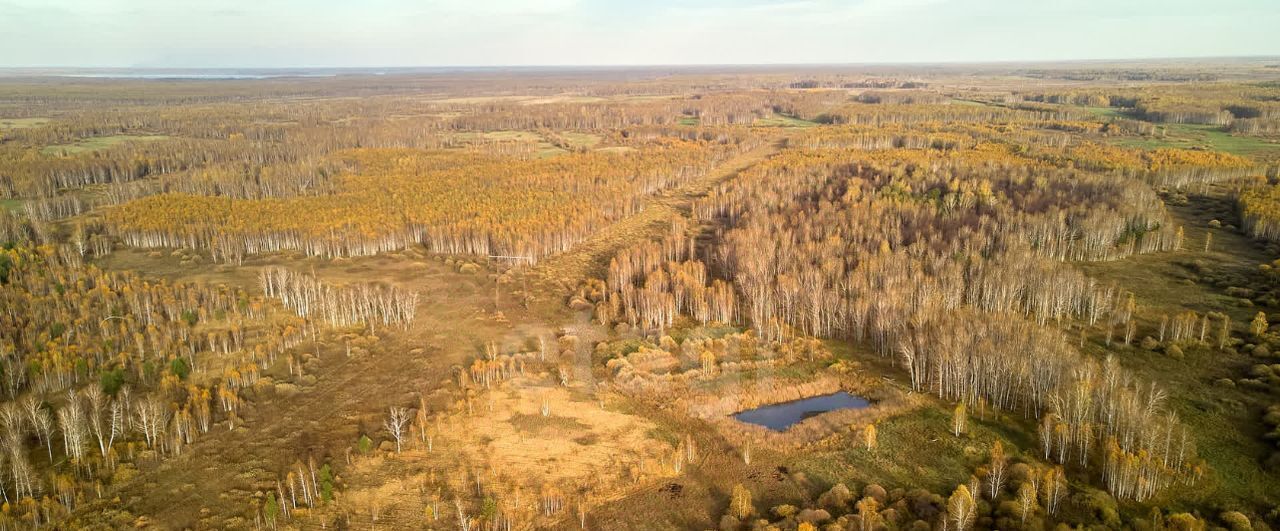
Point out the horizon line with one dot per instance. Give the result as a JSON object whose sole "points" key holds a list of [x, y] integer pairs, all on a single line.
{"points": [[668, 65]]}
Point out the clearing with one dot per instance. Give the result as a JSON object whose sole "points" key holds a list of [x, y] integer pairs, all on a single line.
{"points": [[22, 123], [98, 143]]}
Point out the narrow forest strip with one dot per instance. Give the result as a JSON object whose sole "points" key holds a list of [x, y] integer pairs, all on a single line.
{"points": [[591, 256]]}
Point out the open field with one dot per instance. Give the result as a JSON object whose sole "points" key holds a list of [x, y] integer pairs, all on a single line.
{"points": [[780, 120], [22, 123], [1206, 137], [97, 143], [538, 299]]}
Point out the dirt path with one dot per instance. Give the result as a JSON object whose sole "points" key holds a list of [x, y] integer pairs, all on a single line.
{"points": [[591, 257]]}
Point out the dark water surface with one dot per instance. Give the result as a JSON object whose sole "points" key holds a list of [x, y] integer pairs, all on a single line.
{"points": [[779, 417]]}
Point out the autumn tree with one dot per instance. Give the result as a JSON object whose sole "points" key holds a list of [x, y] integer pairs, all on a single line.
{"points": [[1053, 488], [959, 420], [1258, 326], [996, 470], [961, 509], [396, 423], [740, 504]]}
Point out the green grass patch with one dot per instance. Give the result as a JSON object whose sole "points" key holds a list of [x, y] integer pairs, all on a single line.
{"points": [[11, 204], [1107, 112], [1194, 136], [513, 136], [1155, 142], [97, 143], [916, 449], [548, 150], [782, 120], [22, 123], [543, 147], [689, 120], [580, 140]]}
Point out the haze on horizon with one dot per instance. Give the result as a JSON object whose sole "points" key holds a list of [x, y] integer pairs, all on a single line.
{"points": [[388, 33]]}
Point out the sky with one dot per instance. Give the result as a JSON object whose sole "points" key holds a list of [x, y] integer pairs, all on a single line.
{"points": [[388, 33]]}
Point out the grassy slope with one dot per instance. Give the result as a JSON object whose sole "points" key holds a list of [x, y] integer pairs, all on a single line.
{"points": [[1190, 136], [1224, 420]]}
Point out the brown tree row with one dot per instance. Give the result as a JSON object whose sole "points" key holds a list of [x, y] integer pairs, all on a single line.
{"points": [[1048, 143], [30, 174], [1183, 103], [902, 97], [709, 109], [237, 181], [649, 285], [1255, 126], [890, 137], [53, 208], [891, 114], [456, 203], [1163, 167], [932, 198], [362, 303], [21, 229]]}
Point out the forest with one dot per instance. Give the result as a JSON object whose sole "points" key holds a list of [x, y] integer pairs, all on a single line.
{"points": [[553, 299]]}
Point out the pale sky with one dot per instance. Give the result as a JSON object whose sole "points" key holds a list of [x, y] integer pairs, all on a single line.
{"points": [[335, 33]]}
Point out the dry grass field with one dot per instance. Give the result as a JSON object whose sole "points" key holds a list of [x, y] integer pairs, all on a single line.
{"points": [[537, 300]]}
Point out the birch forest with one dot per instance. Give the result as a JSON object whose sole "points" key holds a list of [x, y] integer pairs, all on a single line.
{"points": [[1037, 296]]}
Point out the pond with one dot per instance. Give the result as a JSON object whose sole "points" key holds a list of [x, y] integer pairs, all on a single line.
{"points": [[779, 417]]}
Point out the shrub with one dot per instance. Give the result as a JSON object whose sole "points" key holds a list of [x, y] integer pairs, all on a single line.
{"points": [[1236, 521], [111, 381], [837, 498], [179, 368], [875, 491]]}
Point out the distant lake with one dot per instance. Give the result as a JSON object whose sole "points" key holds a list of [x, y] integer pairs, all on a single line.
{"points": [[779, 417], [128, 75]]}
